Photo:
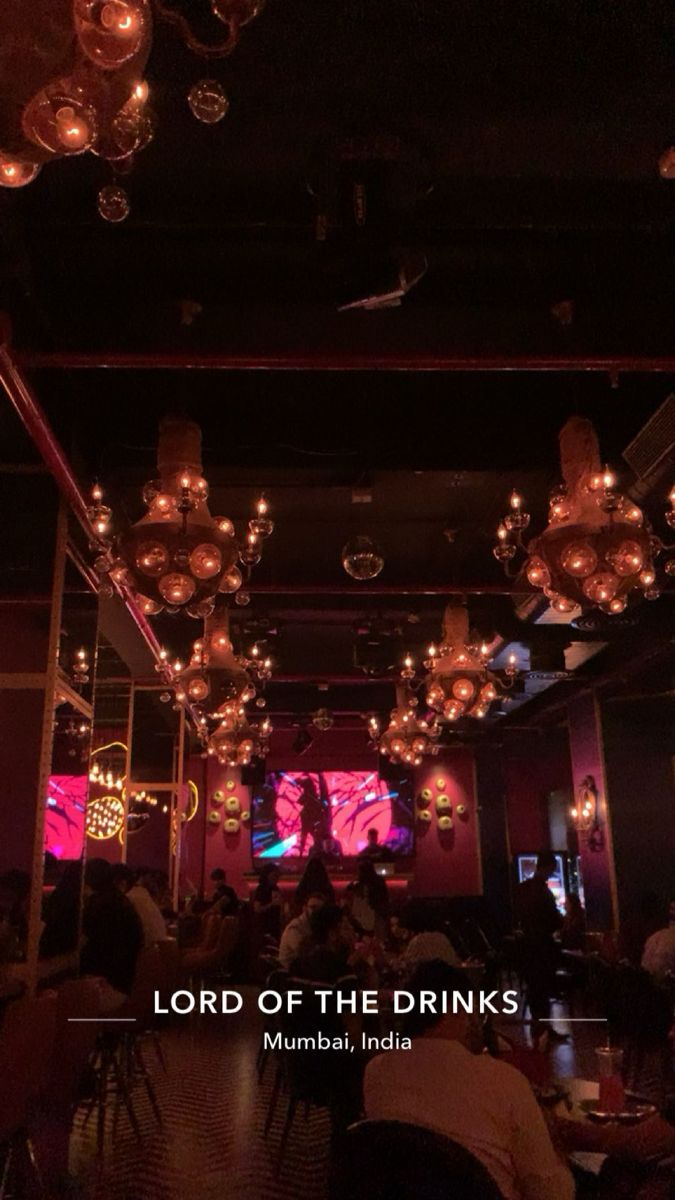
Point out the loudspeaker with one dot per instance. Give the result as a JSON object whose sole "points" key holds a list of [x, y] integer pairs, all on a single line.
{"points": [[254, 774]]}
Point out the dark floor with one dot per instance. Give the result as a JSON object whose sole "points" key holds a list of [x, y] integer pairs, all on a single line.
{"points": [[212, 1146]]}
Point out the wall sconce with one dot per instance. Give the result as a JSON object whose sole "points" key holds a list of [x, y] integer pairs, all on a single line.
{"points": [[584, 812]]}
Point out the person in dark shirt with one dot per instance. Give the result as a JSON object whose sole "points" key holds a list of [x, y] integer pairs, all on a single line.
{"points": [[327, 958], [267, 901], [539, 921], [224, 899], [62, 913], [111, 927], [375, 850]]}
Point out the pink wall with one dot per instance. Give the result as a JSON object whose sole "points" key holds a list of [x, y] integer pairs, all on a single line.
{"points": [[448, 864]]}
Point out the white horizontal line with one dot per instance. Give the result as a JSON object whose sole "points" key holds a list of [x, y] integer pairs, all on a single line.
{"points": [[81, 1020]]}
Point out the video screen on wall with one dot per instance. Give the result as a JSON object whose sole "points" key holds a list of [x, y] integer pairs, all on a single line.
{"points": [[65, 815], [297, 813]]}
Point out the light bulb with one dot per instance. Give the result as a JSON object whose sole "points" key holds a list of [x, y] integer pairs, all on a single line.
{"points": [[579, 560], [205, 561], [113, 204], [502, 532], [120, 19], [463, 689], [538, 573], [73, 131], [207, 101], [515, 501], [176, 588], [628, 559], [601, 588], [152, 558], [16, 174], [647, 577]]}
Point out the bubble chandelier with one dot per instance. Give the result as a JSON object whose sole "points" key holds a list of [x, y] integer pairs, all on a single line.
{"points": [[408, 737], [459, 682], [215, 674], [177, 557], [76, 69], [235, 740], [598, 546]]}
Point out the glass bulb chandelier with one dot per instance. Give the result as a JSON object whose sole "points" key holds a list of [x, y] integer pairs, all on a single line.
{"points": [[598, 546], [76, 70], [408, 737], [178, 557], [215, 675], [459, 682], [235, 740]]}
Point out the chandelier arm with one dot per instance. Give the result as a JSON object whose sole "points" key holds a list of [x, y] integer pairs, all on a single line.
{"points": [[205, 49]]}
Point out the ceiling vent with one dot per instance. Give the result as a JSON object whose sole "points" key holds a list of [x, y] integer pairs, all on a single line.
{"points": [[652, 453]]}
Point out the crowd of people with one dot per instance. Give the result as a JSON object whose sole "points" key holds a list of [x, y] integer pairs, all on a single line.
{"points": [[459, 1078]]}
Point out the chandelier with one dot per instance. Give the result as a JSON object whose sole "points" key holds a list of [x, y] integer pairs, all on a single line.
{"points": [[459, 682], [235, 740], [77, 69], [408, 737], [177, 557], [214, 674], [598, 545]]}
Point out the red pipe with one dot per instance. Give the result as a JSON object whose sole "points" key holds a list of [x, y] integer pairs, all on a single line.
{"points": [[356, 590], [290, 360]]}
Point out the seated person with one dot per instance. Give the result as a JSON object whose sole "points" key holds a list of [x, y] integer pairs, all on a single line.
{"points": [[428, 946], [314, 881], [297, 936], [367, 901], [483, 1104], [267, 902], [326, 959], [138, 893], [61, 913], [374, 850], [224, 899], [112, 930], [658, 956]]}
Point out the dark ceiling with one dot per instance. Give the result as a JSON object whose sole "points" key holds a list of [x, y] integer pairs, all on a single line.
{"points": [[516, 146]]}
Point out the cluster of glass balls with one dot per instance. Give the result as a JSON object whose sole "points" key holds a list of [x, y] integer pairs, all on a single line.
{"points": [[579, 564], [407, 738], [459, 683], [235, 741]]}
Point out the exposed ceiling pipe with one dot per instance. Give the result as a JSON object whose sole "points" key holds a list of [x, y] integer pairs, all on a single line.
{"points": [[614, 365]]}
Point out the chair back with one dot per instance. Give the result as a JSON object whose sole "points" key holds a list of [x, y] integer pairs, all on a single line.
{"points": [[210, 933], [77, 1006], [26, 1044], [228, 936], [171, 970], [392, 1160], [147, 980]]}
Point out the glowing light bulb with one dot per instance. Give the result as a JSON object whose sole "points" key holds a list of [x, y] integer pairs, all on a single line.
{"points": [[462, 689], [538, 573], [485, 650], [502, 532], [628, 558], [608, 479], [579, 560], [72, 131], [16, 174], [601, 588], [120, 19], [140, 92], [647, 577], [184, 481], [515, 501]]}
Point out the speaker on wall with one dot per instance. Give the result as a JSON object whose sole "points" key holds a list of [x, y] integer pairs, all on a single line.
{"points": [[254, 774]]}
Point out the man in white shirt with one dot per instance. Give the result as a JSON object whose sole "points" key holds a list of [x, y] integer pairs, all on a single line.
{"points": [[658, 956], [298, 933], [483, 1104]]}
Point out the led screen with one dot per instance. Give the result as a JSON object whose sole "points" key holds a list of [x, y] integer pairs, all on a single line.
{"points": [[297, 813], [64, 820]]}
